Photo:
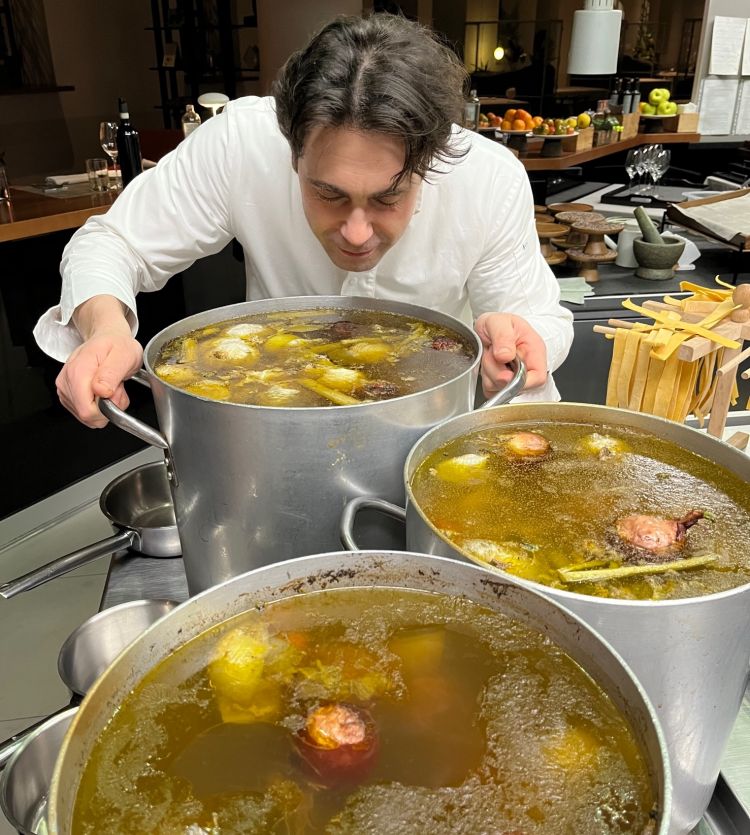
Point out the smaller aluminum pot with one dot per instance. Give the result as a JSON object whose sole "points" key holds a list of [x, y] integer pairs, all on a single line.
{"points": [[26, 779]]}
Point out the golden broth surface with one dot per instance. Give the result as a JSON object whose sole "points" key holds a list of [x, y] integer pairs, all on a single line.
{"points": [[321, 357], [484, 726], [536, 517]]}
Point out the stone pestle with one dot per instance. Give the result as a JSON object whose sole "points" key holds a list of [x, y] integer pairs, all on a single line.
{"points": [[648, 229]]}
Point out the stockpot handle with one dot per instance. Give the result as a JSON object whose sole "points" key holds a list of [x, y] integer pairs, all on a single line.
{"points": [[142, 431], [352, 508], [514, 387], [125, 539]]}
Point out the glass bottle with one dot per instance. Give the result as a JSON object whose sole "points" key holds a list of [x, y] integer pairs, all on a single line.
{"points": [[627, 97], [616, 96], [128, 146], [635, 106], [471, 111], [190, 120]]}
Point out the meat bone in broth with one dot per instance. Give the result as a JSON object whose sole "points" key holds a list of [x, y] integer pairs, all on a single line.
{"points": [[597, 510], [367, 710], [320, 357]]}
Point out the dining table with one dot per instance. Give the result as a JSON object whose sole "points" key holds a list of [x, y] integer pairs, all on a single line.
{"points": [[31, 212]]}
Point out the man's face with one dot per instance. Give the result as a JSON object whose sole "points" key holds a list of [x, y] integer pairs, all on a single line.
{"points": [[350, 202]]}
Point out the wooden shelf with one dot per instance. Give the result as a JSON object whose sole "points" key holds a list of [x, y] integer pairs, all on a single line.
{"points": [[27, 91], [533, 161]]}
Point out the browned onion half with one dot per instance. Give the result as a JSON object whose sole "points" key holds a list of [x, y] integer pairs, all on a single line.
{"points": [[338, 744]]}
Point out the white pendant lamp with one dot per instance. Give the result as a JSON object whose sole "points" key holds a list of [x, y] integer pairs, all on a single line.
{"points": [[595, 41]]}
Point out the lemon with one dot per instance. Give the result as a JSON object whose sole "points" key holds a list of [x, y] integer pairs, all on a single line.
{"points": [[584, 120]]}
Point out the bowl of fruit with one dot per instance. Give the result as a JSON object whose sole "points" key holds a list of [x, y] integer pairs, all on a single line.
{"points": [[552, 130], [659, 106]]}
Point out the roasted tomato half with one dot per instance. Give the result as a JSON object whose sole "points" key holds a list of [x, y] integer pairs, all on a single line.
{"points": [[338, 744]]}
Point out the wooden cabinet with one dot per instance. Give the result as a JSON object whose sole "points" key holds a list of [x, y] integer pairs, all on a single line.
{"points": [[203, 46]]}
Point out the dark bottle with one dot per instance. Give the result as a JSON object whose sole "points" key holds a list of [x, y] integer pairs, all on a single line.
{"points": [[128, 146], [616, 95], [627, 96]]}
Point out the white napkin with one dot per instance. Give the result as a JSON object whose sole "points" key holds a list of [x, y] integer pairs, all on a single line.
{"points": [[574, 290], [690, 254], [62, 179]]}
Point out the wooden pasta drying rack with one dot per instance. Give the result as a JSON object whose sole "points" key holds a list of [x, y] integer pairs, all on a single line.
{"points": [[686, 361]]}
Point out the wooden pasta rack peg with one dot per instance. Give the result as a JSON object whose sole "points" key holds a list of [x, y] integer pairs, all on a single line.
{"points": [[686, 361]]}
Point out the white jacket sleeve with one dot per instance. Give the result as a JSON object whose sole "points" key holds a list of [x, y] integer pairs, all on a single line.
{"points": [[166, 218], [512, 275]]}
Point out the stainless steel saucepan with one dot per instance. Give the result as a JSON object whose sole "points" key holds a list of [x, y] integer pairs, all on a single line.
{"points": [[89, 650], [139, 504], [28, 758]]}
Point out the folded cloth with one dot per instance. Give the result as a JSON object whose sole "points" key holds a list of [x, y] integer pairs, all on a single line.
{"points": [[62, 179], [574, 290]]}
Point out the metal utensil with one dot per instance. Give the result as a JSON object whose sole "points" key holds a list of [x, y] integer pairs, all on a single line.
{"points": [[139, 504], [25, 782], [94, 645], [89, 650]]}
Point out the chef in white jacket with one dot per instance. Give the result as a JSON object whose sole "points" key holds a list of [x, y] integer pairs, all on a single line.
{"points": [[352, 179]]}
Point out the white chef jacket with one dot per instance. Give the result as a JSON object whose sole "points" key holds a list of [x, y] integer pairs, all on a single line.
{"points": [[471, 241]]}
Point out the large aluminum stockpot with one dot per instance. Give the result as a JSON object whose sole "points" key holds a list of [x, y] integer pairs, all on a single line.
{"points": [[691, 655], [343, 570], [258, 484]]}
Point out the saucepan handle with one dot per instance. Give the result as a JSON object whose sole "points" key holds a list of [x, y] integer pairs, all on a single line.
{"points": [[352, 508], [60, 566], [11, 745], [514, 387]]}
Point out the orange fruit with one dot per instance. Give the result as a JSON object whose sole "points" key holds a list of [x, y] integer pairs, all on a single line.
{"points": [[529, 124], [523, 114], [510, 115], [506, 125], [537, 120], [519, 124]]}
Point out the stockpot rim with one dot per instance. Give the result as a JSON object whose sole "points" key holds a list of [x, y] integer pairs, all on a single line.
{"points": [[532, 584], [387, 305], [661, 781]]}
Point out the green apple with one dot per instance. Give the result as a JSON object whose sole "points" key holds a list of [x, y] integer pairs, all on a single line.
{"points": [[658, 95], [667, 108], [647, 109]]}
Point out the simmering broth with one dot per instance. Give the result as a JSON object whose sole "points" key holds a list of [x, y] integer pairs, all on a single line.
{"points": [[368, 710], [322, 357], [551, 502]]}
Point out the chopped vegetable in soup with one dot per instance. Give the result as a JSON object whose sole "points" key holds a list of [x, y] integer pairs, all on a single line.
{"points": [[367, 710], [602, 511], [319, 357]]}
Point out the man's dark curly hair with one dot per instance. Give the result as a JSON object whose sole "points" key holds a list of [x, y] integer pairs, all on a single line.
{"points": [[383, 74]]}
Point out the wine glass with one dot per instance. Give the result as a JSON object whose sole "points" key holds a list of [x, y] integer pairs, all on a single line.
{"points": [[631, 166], [659, 166], [108, 139]]}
